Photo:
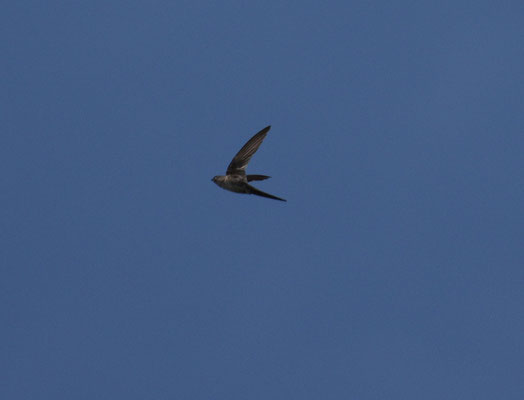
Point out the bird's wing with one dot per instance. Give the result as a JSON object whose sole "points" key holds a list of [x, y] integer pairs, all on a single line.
{"points": [[254, 190], [239, 163]]}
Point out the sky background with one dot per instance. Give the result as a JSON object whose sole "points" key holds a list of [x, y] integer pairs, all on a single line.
{"points": [[395, 269]]}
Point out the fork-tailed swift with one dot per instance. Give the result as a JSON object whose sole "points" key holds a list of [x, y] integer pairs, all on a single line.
{"points": [[235, 179]]}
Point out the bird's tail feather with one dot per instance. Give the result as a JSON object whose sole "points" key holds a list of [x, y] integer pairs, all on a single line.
{"points": [[257, 177]]}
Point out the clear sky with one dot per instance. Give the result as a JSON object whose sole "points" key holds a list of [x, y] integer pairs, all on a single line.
{"points": [[395, 269]]}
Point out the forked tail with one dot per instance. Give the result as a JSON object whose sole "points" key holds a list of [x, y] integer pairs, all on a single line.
{"points": [[257, 177]]}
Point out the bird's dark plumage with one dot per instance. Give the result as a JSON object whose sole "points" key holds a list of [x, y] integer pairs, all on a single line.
{"points": [[256, 177], [238, 164], [236, 179]]}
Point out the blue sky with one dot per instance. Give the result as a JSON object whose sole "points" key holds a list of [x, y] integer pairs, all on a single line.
{"points": [[395, 269]]}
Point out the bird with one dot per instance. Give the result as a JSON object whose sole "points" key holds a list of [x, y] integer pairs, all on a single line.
{"points": [[235, 179]]}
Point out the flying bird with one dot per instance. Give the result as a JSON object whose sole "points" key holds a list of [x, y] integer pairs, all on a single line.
{"points": [[235, 179]]}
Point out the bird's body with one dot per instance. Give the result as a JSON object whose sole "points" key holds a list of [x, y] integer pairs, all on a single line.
{"points": [[236, 179], [233, 183]]}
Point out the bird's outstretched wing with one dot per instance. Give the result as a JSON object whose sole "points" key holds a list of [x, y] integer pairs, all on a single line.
{"points": [[254, 190], [239, 163]]}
